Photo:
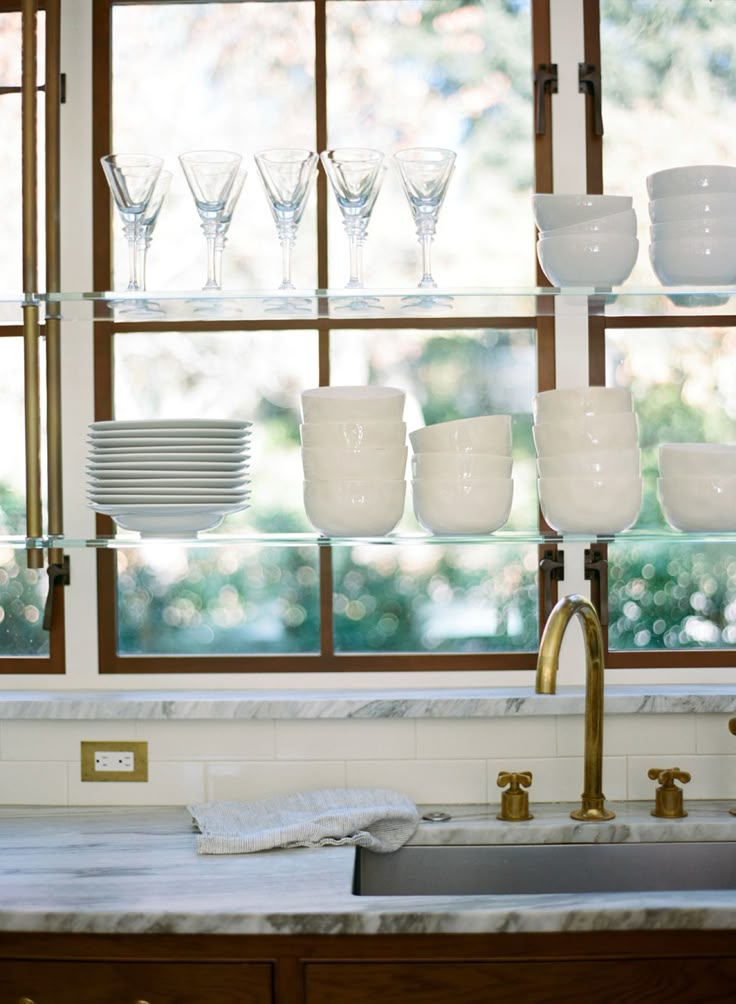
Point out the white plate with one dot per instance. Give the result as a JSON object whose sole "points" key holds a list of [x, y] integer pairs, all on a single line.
{"points": [[178, 442], [100, 491], [145, 501], [168, 453], [148, 484], [125, 467], [164, 509], [170, 423], [170, 525]]}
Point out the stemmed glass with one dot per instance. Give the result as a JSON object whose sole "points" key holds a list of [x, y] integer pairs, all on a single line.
{"points": [[131, 178], [210, 175], [425, 174], [287, 175], [355, 174], [224, 223], [148, 223]]}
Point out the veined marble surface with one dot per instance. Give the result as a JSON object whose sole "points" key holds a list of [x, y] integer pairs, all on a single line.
{"points": [[135, 870], [481, 702]]}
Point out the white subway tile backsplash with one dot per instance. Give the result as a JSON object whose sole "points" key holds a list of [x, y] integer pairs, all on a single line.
{"points": [[168, 784], [32, 783], [337, 739], [711, 777], [451, 781], [560, 779], [57, 741], [447, 739], [244, 781], [630, 735], [231, 740], [713, 735]]}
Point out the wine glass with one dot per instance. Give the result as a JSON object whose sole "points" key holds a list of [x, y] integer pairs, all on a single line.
{"points": [[148, 223], [131, 178], [287, 175], [224, 223], [210, 175], [355, 175], [425, 174]]}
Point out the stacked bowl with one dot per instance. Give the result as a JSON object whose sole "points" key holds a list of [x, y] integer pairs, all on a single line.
{"points": [[461, 475], [693, 225], [697, 486], [354, 458], [172, 477], [585, 240], [588, 459]]}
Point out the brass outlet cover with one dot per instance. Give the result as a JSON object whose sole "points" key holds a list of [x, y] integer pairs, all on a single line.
{"points": [[140, 760]]}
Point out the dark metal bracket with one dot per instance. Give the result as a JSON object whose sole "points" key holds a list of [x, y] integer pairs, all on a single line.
{"points": [[596, 572], [589, 82], [59, 575], [545, 82], [552, 569], [42, 87]]}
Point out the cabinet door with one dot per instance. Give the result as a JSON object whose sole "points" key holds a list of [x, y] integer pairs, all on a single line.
{"points": [[135, 982]]}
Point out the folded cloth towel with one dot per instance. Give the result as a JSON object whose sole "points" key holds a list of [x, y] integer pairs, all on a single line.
{"points": [[376, 818]]}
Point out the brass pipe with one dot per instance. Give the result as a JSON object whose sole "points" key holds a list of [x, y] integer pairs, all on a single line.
{"points": [[34, 526], [592, 800], [53, 273]]}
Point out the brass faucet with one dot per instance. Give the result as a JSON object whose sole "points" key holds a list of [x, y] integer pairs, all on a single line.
{"points": [[593, 800]]}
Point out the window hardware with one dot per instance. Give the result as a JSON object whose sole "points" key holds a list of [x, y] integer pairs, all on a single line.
{"points": [[552, 569], [589, 82], [596, 572], [59, 575], [545, 81]]}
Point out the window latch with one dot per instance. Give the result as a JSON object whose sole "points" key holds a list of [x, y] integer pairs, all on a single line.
{"points": [[16, 89], [589, 82], [59, 575], [552, 569], [596, 572], [545, 81]]}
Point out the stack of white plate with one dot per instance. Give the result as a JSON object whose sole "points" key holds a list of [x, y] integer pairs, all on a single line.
{"points": [[171, 477]]}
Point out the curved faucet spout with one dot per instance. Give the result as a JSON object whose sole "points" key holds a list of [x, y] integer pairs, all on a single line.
{"points": [[593, 800]]}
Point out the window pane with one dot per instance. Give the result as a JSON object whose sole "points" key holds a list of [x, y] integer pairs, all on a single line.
{"points": [[665, 103], [674, 595], [464, 76]]}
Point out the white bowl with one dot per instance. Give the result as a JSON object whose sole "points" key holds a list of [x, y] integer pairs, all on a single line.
{"points": [[697, 460], [692, 207], [353, 435], [572, 402], [483, 434], [460, 465], [354, 508], [462, 505], [587, 259], [695, 179], [591, 432], [699, 261], [352, 404], [590, 505], [554, 210], [326, 462], [617, 223], [699, 504], [708, 226], [594, 464]]}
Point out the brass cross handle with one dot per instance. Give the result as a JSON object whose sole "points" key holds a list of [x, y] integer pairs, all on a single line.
{"points": [[514, 801], [732, 726], [668, 798]]}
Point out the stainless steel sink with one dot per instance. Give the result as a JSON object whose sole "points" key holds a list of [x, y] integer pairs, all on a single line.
{"points": [[545, 868]]}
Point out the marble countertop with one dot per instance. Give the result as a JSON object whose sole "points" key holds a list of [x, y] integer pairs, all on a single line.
{"points": [[136, 870]]}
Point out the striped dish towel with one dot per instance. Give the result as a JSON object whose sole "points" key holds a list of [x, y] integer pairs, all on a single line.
{"points": [[376, 818]]}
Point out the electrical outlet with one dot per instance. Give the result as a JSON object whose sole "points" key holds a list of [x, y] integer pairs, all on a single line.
{"points": [[114, 761]]}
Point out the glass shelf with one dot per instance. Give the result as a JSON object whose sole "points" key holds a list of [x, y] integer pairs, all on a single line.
{"points": [[313, 307], [507, 537]]}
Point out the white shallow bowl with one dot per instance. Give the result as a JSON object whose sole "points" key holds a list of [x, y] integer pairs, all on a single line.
{"points": [[699, 504], [378, 435], [697, 460], [352, 403], [554, 210], [587, 259], [460, 465], [591, 432], [354, 508], [700, 227], [482, 434], [590, 505], [694, 179], [592, 464], [462, 506], [572, 402], [702, 261], [326, 462], [692, 207], [617, 223]]}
